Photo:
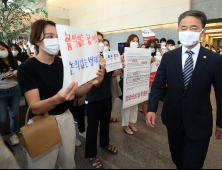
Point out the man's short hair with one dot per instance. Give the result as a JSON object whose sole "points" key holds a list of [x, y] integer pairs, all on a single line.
{"points": [[207, 45], [107, 41], [178, 42], [197, 14], [170, 41], [163, 40], [156, 39]]}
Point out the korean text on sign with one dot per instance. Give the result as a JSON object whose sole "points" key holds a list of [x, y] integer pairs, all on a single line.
{"points": [[80, 54]]}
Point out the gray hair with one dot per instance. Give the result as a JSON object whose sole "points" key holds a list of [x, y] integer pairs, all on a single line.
{"points": [[198, 14]]}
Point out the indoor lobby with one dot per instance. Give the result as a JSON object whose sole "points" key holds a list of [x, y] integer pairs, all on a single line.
{"points": [[152, 24]]}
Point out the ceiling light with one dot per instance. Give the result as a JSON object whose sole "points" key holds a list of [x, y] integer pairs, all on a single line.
{"points": [[217, 37], [213, 35], [214, 30]]}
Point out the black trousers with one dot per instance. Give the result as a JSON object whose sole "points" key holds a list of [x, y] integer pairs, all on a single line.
{"points": [[78, 112], [97, 112], [187, 154]]}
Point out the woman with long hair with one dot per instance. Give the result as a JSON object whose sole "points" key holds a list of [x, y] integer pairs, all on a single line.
{"points": [[129, 115], [10, 94]]}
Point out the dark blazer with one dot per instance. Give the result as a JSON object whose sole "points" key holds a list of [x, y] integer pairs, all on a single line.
{"points": [[192, 106]]}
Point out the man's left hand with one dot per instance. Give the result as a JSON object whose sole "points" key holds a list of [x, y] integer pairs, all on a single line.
{"points": [[218, 133]]}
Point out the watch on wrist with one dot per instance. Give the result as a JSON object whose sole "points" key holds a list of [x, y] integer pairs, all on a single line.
{"points": [[27, 45]]}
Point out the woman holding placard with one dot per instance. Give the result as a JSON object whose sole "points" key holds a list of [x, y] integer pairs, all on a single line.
{"points": [[98, 109], [129, 115], [41, 80], [150, 45]]}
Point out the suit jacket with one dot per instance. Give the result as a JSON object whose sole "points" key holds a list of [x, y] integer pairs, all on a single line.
{"points": [[192, 106]]}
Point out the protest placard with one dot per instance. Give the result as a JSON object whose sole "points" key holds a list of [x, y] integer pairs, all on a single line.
{"points": [[80, 54], [154, 67], [113, 60], [147, 34], [136, 76]]}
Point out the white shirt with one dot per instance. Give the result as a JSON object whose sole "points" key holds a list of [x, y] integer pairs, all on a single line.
{"points": [[8, 83], [195, 50]]}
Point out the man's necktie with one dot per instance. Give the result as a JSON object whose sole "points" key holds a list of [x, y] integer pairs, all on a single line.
{"points": [[188, 69]]}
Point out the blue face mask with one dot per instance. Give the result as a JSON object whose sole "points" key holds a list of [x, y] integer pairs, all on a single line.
{"points": [[153, 50]]}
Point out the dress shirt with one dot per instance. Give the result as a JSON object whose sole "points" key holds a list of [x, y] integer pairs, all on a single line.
{"points": [[195, 50]]}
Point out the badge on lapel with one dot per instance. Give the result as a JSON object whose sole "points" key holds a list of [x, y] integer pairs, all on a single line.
{"points": [[205, 57]]}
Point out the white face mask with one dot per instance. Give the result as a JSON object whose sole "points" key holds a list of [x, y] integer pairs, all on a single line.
{"points": [[106, 48], [15, 53], [180, 45], [163, 44], [207, 47], [51, 46], [152, 50], [101, 47], [189, 38], [134, 44], [171, 48], [3, 54]]}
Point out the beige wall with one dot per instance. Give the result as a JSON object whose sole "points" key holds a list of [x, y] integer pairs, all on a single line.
{"points": [[110, 15]]}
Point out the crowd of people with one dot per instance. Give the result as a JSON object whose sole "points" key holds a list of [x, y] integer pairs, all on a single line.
{"points": [[40, 80]]}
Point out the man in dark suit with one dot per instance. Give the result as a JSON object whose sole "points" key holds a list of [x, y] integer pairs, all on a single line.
{"points": [[189, 72]]}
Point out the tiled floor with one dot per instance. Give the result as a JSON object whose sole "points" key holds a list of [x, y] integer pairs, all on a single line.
{"points": [[146, 149]]}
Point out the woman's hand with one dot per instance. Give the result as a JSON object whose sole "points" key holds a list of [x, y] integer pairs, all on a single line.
{"points": [[153, 59], [68, 94], [12, 76], [123, 61], [98, 80]]}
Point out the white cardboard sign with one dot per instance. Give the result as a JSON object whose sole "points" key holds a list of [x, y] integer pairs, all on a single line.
{"points": [[80, 54], [113, 60], [136, 76]]}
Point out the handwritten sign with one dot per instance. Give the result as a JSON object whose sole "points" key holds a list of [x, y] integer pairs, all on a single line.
{"points": [[80, 54], [113, 60], [136, 76]]}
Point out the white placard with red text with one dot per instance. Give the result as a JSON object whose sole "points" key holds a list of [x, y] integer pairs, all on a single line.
{"points": [[113, 60], [147, 35], [154, 67], [136, 76], [80, 54]]}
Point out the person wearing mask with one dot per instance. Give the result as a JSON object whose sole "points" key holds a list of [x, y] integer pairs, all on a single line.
{"points": [[129, 115], [10, 94], [98, 109], [17, 53], [179, 44], [156, 41], [170, 45], [187, 111], [41, 80], [106, 45], [163, 44], [107, 48], [207, 46], [150, 45], [213, 49]]}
